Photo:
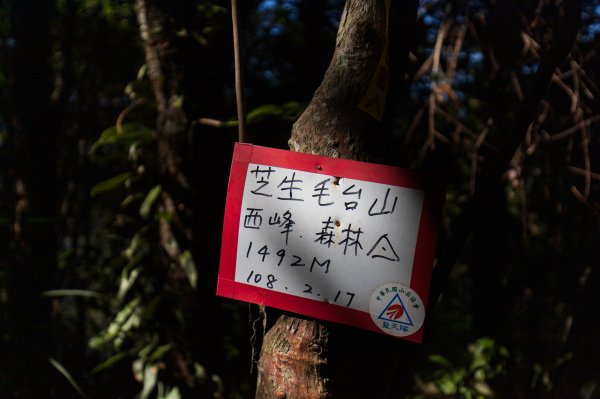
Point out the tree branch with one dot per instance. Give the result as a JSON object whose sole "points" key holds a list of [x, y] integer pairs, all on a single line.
{"points": [[563, 39]]}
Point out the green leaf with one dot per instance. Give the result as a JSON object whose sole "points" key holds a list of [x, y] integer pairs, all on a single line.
{"points": [[70, 292], [441, 361], [447, 386], [110, 361], [288, 111], [68, 376], [150, 378], [159, 353], [186, 260], [128, 318], [110, 184], [142, 72], [150, 199], [479, 374], [264, 111], [137, 245], [127, 281], [200, 372], [173, 394], [483, 388], [292, 109], [138, 369], [131, 317], [130, 198], [127, 135], [98, 340]]}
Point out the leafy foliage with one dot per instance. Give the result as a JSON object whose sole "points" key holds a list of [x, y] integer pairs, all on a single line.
{"points": [[484, 363]]}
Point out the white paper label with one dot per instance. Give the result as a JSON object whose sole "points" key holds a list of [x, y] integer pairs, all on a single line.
{"points": [[324, 238]]}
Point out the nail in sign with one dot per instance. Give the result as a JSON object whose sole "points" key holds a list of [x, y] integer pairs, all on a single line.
{"points": [[344, 241]]}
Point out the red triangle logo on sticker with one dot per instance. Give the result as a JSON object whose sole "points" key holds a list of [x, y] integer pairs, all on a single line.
{"points": [[396, 312]]}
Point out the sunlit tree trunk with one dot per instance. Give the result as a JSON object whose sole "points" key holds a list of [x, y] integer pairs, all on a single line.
{"points": [[297, 359]]}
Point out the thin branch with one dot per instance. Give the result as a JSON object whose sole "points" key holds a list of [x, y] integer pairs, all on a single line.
{"points": [[572, 130], [515, 82], [530, 45], [586, 162], [568, 91], [595, 92], [435, 67], [532, 146], [209, 122], [239, 78], [430, 143], [584, 172], [441, 137], [437, 49], [425, 67], [125, 112], [453, 60], [413, 125], [465, 129]]}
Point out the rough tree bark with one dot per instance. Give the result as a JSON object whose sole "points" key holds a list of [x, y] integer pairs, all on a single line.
{"points": [[295, 359], [332, 125]]}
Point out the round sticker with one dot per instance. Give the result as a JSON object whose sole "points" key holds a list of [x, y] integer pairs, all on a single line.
{"points": [[396, 309]]}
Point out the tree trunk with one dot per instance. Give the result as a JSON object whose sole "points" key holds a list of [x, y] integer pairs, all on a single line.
{"points": [[303, 358], [332, 125], [175, 236]]}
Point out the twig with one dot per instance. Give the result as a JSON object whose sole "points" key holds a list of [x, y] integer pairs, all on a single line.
{"points": [[437, 49], [578, 194], [413, 125], [441, 137], [586, 162], [517, 85], [584, 172], [588, 81], [536, 141], [430, 143], [209, 122], [453, 60], [426, 66], [239, 85], [572, 130], [465, 129], [530, 45], [568, 91], [125, 112], [435, 66]]}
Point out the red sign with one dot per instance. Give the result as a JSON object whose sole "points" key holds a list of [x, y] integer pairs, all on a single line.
{"points": [[344, 241]]}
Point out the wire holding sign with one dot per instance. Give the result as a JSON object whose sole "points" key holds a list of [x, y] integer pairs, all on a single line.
{"points": [[313, 237]]}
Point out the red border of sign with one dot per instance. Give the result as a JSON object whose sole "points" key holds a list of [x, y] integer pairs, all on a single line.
{"points": [[244, 154]]}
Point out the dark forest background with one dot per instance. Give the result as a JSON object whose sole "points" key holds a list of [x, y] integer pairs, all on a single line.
{"points": [[113, 176]]}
